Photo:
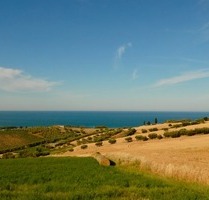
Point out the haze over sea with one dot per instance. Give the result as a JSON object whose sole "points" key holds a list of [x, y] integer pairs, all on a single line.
{"points": [[91, 118]]}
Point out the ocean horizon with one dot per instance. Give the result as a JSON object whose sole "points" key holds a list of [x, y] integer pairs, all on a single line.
{"points": [[110, 119]]}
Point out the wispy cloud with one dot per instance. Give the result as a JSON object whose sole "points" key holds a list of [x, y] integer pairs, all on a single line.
{"points": [[135, 74], [189, 76], [14, 80], [201, 33], [121, 51]]}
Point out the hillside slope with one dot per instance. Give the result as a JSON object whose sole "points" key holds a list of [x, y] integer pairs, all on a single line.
{"points": [[184, 158]]}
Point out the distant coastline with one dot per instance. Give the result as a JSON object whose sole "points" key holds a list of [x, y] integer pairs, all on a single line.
{"points": [[110, 119]]}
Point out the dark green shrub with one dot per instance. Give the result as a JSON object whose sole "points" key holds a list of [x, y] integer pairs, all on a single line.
{"points": [[153, 129], [71, 149], [177, 125], [119, 130], [190, 133], [112, 141], [40, 151], [159, 137], [176, 134], [167, 134], [206, 118], [173, 134], [144, 131], [84, 141], [195, 122], [186, 123], [26, 153], [84, 146], [89, 138], [139, 137], [99, 144], [145, 138], [130, 132], [152, 135], [183, 131], [128, 139], [8, 155], [165, 129]]}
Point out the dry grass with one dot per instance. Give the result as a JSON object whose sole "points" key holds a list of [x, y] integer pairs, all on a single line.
{"points": [[184, 158]]}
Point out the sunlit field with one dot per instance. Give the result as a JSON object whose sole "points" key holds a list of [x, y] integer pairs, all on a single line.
{"points": [[84, 178]]}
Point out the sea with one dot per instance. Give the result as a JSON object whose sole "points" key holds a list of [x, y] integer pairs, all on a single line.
{"points": [[111, 119]]}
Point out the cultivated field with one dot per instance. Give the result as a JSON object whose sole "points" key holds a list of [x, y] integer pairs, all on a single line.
{"points": [[184, 158], [84, 178], [179, 150]]}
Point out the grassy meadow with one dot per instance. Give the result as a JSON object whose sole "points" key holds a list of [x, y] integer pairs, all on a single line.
{"points": [[83, 178]]}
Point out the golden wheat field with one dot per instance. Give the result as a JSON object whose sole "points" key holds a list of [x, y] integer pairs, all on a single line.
{"points": [[183, 158]]}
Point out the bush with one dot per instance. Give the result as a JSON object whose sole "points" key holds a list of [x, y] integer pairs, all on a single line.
{"points": [[71, 149], [26, 153], [206, 118], [153, 129], [152, 135], [141, 137], [144, 131], [181, 132], [99, 144], [177, 125], [145, 138], [84, 146], [128, 139], [8, 155], [40, 151], [112, 141], [174, 134], [78, 142], [159, 137], [130, 132], [186, 123]]}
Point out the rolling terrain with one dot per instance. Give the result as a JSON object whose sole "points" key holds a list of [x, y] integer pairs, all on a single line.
{"points": [[183, 157]]}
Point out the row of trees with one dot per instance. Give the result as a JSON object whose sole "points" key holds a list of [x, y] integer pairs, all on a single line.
{"points": [[149, 123]]}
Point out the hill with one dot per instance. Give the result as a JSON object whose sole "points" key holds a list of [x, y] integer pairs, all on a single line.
{"points": [[183, 157]]}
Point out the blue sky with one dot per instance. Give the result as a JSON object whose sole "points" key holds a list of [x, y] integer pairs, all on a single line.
{"points": [[142, 55]]}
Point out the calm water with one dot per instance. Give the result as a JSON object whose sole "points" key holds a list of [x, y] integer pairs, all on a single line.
{"points": [[90, 119]]}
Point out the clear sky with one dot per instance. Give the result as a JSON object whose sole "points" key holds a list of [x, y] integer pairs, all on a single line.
{"points": [[142, 55]]}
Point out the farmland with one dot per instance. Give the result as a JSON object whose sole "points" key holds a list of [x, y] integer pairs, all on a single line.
{"points": [[84, 178], [151, 162]]}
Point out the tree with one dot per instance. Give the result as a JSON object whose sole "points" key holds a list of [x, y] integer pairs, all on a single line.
{"points": [[156, 121]]}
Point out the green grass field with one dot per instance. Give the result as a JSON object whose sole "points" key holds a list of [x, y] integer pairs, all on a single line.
{"points": [[84, 178]]}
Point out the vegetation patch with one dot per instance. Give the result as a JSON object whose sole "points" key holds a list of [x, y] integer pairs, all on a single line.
{"points": [[128, 139], [141, 137], [112, 141], [174, 134], [84, 178], [152, 135]]}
